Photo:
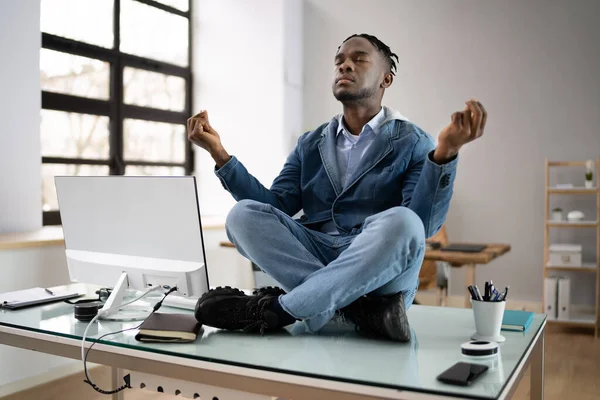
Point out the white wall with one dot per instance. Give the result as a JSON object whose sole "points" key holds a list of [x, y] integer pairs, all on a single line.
{"points": [[241, 56], [533, 64], [20, 182]]}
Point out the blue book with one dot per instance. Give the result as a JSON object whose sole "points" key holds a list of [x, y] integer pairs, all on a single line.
{"points": [[515, 320]]}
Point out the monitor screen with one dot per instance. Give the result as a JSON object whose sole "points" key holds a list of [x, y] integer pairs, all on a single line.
{"points": [[130, 218]]}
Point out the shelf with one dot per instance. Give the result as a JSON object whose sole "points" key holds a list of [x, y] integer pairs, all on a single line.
{"points": [[591, 268], [577, 319], [583, 316], [568, 163], [573, 190], [567, 224]]}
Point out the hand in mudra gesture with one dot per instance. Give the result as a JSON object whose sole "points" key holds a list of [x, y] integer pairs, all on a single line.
{"points": [[202, 134], [465, 126]]}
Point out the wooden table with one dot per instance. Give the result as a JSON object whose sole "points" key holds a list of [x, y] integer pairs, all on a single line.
{"points": [[470, 260], [456, 259]]}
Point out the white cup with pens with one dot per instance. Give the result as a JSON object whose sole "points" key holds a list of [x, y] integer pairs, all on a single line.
{"points": [[488, 311]]}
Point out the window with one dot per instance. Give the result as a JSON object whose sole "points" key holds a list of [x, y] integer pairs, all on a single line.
{"points": [[116, 90]]}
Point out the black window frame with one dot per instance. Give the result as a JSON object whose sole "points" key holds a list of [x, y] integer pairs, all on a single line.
{"points": [[114, 107]]}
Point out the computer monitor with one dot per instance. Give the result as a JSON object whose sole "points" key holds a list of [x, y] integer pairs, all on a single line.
{"points": [[133, 232]]}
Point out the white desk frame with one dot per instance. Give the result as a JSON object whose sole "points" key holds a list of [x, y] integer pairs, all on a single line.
{"points": [[245, 379]]}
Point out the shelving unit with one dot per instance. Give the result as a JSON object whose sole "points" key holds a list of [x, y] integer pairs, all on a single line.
{"points": [[577, 318]]}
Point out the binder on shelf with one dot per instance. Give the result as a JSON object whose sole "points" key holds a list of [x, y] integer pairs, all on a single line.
{"points": [[564, 298], [550, 295]]}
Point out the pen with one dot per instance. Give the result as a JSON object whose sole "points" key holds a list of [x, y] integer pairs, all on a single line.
{"points": [[478, 293], [474, 294], [505, 293], [471, 291], [49, 291]]}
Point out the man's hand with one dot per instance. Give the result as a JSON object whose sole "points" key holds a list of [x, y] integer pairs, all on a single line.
{"points": [[203, 135], [466, 126]]}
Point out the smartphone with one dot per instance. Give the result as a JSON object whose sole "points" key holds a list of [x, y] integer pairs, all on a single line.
{"points": [[462, 373]]}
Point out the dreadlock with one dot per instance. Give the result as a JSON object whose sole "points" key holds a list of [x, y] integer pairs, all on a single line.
{"points": [[382, 47]]}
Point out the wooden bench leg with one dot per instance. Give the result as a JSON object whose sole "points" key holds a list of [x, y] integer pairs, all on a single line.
{"points": [[441, 297], [470, 280]]}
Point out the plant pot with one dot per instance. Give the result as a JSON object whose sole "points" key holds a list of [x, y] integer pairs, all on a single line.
{"points": [[589, 184], [557, 215]]}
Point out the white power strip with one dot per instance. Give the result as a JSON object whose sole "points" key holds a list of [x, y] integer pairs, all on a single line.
{"points": [[189, 390], [188, 303]]}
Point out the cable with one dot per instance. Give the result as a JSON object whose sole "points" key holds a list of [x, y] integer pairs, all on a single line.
{"points": [[84, 354]]}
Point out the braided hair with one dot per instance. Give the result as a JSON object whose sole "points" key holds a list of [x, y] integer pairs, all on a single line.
{"points": [[383, 48]]}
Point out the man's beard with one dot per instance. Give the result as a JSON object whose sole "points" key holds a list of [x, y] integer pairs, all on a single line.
{"points": [[361, 94]]}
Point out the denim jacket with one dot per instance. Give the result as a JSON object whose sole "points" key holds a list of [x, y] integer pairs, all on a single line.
{"points": [[397, 170]]}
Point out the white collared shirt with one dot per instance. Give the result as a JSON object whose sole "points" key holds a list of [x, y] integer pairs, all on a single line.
{"points": [[350, 150]]}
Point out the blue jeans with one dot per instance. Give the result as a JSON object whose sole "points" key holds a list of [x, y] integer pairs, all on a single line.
{"points": [[323, 273]]}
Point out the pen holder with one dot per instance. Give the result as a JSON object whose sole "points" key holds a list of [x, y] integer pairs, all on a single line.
{"points": [[488, 320]]}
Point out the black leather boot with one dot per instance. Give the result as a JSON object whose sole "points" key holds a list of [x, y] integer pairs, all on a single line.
{"points": [[380, 316], [269, 291], [231, 309]]}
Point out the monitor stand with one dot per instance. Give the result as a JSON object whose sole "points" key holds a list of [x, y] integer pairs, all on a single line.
{"points": [[132, 312]]}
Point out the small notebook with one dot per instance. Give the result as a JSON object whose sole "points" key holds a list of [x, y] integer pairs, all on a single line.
{"points": [[169, 328], [515, 320], [34, 296]]}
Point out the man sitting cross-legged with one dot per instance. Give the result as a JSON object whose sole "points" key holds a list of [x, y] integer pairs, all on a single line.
{"points": [[372, 187]]}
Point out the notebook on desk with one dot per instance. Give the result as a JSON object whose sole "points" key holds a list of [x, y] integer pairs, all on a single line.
{"points": [[30, 297], [515, 320], [169, 328]]}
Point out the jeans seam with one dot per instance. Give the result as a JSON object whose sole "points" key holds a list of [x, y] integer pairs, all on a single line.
{"points": [[421, 247], [303, 248]]}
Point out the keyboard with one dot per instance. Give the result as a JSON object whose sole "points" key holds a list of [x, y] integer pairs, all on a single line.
{"points": [[188, 303]]}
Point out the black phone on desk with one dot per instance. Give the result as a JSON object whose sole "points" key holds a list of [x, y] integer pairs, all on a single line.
{"points": [[462, 373]]}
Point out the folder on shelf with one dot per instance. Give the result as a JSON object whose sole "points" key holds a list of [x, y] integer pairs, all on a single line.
{"points": [[550, 296], [564, 298]]}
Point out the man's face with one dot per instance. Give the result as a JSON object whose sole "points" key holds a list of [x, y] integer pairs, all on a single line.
{"points": [[359, 70]]}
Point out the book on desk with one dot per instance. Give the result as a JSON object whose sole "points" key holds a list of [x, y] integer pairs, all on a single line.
{"points": [[516, 320], [169, 328]]}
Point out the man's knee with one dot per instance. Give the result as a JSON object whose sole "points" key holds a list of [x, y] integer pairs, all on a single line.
{"points": [[241, 213], [404, 223]]}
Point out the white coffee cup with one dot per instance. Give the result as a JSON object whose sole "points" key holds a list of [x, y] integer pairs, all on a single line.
{"points": [[488, 320]]}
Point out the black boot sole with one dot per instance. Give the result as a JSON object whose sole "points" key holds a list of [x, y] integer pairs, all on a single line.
{"points": [[269, 291], [210, 297], [220, 291]]}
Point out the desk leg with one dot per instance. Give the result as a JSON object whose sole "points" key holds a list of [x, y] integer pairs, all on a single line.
{"points": [[537, 369], [117, 381], [470, 280]]}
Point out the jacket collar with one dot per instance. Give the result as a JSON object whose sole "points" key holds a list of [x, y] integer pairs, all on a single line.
{"points": [[374, 124], [389, 115], [380, 148]]}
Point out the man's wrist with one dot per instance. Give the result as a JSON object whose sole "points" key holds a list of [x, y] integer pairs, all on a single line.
{"points": [[443, 154], [220, 156]]}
